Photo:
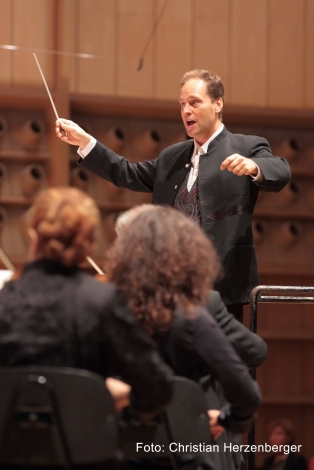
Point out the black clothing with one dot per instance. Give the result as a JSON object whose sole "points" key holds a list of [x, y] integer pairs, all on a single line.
{"points": [[227, 201], [251, 348], [237, 311], [293, 462], [56, 316], [196, 347]]}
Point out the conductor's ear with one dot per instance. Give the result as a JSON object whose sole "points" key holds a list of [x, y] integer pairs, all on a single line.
{"points": [[219, 104]]}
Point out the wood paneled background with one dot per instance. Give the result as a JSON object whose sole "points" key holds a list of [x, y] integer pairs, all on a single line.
{"points": [[262, 49]]}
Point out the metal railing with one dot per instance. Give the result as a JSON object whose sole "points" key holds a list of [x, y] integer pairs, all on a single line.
{"points": [[283, 294]]}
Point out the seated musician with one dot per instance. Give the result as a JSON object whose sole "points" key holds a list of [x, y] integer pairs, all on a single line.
{"points": [[164, 266], [251, 348], [56, 315]]}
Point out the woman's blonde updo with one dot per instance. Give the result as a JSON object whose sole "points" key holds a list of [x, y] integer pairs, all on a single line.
{"points": [[66, 221]]}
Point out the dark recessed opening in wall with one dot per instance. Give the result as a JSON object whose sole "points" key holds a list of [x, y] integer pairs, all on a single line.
{"points": [[119, 133], [1, 216], [294, 144], [35, 127], [294, 187], [36, 173], [259, 227], [1, 172], [1, 126], [82, 175], [155, 136], [293, 229]]}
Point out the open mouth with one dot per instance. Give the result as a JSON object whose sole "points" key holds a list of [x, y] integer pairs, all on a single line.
{"points": [[190, 123]]}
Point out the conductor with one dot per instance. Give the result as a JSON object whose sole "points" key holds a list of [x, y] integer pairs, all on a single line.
{"points": [[214, 178]]}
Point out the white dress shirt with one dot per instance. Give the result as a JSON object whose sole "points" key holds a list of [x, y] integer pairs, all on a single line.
{"points": [[195, 160], [200, 150]]}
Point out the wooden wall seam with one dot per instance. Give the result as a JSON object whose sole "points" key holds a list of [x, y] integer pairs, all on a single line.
{"points": [[192, 27], [304, 47], [12, 41], [267, 65], [154, 51], [228, 91], [116, 49]]}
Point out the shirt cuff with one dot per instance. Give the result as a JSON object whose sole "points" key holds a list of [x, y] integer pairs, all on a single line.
{"points": [[259, 178], [89, 147]]}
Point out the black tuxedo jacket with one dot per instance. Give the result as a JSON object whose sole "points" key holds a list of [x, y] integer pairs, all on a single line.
{"points": [[197, 348], [251, 348], [227, 201]]}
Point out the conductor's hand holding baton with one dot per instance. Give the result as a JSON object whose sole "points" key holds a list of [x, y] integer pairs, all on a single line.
{"points": [[75, 135]]}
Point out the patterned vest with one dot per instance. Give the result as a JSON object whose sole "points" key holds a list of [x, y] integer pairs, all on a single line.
{"points": [[188, 202]]}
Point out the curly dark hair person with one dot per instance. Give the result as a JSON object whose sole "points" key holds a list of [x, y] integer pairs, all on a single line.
{"points": [[160, 260]]}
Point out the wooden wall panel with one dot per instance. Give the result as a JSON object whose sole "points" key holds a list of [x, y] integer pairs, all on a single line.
{"points": [[211, 37], [33, 29], [248, 51], [280, 354], [286, 53], [307, 432], [307, 378], [281, 318], [5, 38], [66, 41], [309, 55], [262, 50], [174, 48], [96, 25], [136, 21]]}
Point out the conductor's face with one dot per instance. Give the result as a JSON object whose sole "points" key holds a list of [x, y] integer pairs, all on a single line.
{"points": [[199, 112]]}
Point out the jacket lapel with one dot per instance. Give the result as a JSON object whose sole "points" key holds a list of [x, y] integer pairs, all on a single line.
{"points": [[174, 168], [212, 146]]}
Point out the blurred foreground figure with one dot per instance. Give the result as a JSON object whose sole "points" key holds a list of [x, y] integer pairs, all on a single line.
{"points": [[56, 315], [164, 266], [251, 348]]}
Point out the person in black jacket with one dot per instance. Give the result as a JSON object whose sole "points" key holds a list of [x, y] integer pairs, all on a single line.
{"points": [[214, 178], [57, 315], [251, 348], [164, 266]]}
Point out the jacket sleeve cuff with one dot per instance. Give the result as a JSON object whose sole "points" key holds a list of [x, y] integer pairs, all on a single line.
{"points": [[86, 150], [259, 178]]}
